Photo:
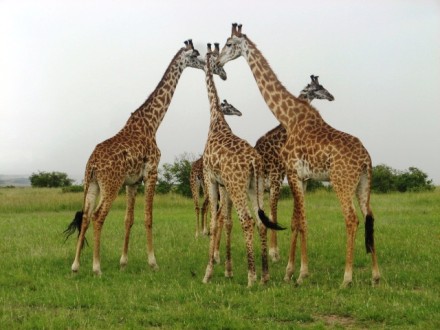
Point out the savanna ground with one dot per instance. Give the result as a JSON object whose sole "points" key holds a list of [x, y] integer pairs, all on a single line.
{"points": [[38, 291]]}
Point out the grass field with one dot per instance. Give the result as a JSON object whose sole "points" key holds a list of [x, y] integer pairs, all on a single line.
{"points": [[38, 291]]}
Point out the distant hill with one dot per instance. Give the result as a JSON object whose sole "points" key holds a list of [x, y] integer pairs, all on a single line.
{"points": [[14, 180]]}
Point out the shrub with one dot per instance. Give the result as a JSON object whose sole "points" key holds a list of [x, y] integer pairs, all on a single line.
{"points": [[50, 180]]}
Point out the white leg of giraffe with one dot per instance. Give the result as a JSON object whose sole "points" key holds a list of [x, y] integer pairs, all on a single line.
{"points": [[129, 219]]}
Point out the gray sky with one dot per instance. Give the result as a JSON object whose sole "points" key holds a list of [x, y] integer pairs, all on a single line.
{"points": [[71, 72]]}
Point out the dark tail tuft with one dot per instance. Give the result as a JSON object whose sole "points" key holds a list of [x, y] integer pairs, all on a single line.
{"points": [[74, 226], [369, 233], [267, 223]]}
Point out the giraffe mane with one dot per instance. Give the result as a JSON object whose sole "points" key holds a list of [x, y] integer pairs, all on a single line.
{"points": [[161, 82]]}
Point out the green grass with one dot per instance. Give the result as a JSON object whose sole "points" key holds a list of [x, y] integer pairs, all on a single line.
{"points": [[38, 291]]}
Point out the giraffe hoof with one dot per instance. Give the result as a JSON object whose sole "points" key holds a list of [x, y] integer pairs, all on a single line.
{"points": [[97, 273], [229, 274], [375, 281], [265, 279], [346, 284], [274, 255]]}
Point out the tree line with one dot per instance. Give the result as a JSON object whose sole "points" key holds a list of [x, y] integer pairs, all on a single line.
{"points": [[175, 178]]}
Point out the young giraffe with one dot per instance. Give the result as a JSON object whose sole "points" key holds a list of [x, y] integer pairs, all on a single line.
{"points": [[196, 178], [130, 157], [233, 166], [315, 150], [269, 147]]}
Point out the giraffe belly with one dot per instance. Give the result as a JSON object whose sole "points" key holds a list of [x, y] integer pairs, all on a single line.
{"points": [[305, 171], [136, 175]]}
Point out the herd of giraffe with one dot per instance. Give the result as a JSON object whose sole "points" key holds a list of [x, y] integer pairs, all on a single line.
{"points": [[302, 147]]}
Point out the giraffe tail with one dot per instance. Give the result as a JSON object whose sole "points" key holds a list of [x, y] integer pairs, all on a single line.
{"points": [[258, 189], [369, 233], [74, 226], [266, 221]]}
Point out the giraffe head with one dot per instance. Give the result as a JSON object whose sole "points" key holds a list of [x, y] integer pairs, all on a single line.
{"points": [[235, 46], [315, 91], [198, 63], [229, 109], [215, 68]]}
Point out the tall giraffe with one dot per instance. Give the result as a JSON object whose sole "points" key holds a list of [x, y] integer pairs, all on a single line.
{"points": [[269, 147], [196, 178], [130, 157], [233, 166], [315, 150]]}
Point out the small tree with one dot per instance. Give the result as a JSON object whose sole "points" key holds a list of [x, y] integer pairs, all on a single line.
{"points": [[413, 180], [165, 180], [175, 177], [384, 178], [50, 180]]}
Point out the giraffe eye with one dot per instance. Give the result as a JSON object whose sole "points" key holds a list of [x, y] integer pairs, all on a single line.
{"points": [[229, 45]]}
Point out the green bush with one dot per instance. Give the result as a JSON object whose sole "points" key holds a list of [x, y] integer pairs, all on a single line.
{"points": [[386, 179], [50, 180]]}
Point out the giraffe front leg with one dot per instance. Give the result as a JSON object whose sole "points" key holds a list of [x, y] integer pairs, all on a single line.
{"points": [[129, 219], [212, 189], [150, 184]]}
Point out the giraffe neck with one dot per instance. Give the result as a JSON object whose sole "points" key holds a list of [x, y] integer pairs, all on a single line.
{"points": [[303, 96], [217, 118], [277, 97], [150, 114]]}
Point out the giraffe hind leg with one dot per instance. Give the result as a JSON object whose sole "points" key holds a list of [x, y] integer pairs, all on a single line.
{"points": [[81, 221], [363, 196]]}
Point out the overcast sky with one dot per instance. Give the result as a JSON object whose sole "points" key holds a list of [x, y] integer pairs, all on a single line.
{"points": [[71, 72]]}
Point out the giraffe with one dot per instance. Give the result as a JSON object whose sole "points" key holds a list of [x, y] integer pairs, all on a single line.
{"points": [[196, 177], [232, 166], [315, 150], [269, 147], [130, 157]]}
